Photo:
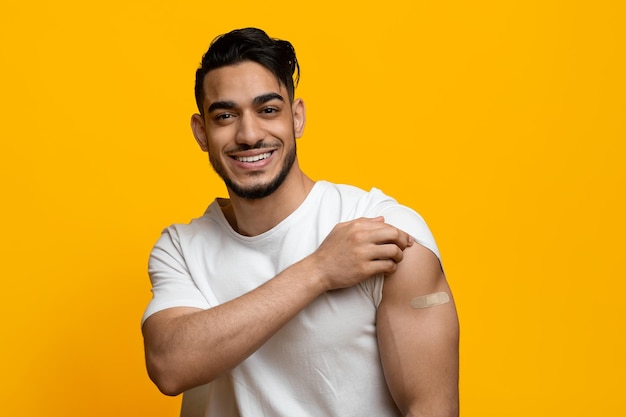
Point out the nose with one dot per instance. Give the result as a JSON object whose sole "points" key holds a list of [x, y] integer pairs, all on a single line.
{"points": [[249, 130]]}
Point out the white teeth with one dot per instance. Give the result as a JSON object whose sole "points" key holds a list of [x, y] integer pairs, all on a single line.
{"points": [[254, 158]]}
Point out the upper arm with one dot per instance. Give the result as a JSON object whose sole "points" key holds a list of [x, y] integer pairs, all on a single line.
{"points": [[154, 326], [157, 329], [173, 285], [419, 347]]}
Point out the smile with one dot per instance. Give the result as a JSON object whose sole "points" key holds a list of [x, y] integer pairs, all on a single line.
{"points": [[254, 158]]}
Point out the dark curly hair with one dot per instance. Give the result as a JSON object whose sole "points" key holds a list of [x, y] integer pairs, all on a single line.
{"points": [[250, 44]]}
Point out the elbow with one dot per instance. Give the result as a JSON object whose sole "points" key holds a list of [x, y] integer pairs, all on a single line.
{"points": [[167, 386], [166, 378], [173, 377]]}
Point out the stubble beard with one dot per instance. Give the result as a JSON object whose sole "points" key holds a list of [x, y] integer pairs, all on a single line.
{"points": [[256, 191]]}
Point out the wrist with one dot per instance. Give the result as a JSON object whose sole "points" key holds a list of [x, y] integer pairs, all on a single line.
{"points": [[313, 275]]}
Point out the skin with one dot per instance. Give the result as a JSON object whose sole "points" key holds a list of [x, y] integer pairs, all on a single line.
{"points": [[419, 348], [247, 113]]}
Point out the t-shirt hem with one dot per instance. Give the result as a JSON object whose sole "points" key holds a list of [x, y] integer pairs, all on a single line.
{"points": [[152, 308]]}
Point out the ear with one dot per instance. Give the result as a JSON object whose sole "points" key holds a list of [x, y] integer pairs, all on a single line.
{"points": [[199, 132], [299, 117]]}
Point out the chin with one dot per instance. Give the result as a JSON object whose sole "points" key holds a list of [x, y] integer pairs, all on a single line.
{"points": [[254, 192]]}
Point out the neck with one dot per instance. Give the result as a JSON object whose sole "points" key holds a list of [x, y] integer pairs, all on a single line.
{"points": [[253, 217]]}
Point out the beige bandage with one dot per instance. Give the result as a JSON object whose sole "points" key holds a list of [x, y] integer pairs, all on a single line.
{"points": [[430, 300]]}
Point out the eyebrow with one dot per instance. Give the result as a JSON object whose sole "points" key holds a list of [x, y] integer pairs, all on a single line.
{"points": [[228, 105], [264, 98]]}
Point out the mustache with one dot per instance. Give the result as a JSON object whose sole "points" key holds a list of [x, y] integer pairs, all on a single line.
{"points": [[259, 145]]}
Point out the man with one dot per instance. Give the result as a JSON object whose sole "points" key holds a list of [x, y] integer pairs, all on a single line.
{"points": [[294, 297]]}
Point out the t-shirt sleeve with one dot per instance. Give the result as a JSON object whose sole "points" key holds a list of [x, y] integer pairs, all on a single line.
{"points": [[404, 218], [411, 222], [172, 284]]}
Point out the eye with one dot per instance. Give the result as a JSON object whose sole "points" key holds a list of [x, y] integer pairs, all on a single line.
{"points": [[268, 110], [223, 117]]}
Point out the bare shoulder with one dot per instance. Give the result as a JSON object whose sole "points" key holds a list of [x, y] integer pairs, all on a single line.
{"points": [[420, 273]]}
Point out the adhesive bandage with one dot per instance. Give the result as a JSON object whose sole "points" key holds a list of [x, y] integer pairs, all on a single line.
{"points": [[430, 300]]}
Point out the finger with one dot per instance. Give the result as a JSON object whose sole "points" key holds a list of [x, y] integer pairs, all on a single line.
{"points": [[384, 266], [389, 251], [389, 234]]}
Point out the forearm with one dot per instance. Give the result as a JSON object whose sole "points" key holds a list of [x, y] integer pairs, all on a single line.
{"points": [[186, 349]]}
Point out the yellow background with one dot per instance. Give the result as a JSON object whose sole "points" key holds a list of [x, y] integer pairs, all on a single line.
{"points": [[501, 122]]}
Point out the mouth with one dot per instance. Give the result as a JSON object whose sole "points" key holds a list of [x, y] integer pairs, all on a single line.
{"points": [[253, 158]]}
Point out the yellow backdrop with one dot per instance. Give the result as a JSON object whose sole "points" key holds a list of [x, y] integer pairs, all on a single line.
{"points": [[501, 122]]}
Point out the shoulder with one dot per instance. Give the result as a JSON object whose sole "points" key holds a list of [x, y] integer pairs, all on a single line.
{"points": [[419, 273], [178, 235], [328, 189], [377, 203], [353, 201], [365, 203]]}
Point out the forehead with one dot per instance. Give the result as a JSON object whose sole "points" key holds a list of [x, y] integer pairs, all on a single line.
{"points": [[240, 83]]}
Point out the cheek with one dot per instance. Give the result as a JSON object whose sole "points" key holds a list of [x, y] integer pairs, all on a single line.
{"points": [[285, 130], [218, 138]]}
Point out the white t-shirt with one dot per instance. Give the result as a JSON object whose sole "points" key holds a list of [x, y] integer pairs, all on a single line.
{"points": [[325, 361]]}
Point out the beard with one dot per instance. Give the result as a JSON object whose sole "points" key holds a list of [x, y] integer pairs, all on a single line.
{"points": [[256, 191]]}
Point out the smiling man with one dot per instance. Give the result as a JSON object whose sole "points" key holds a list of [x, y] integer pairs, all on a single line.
{"points": [[255, 152], [294, 297]]}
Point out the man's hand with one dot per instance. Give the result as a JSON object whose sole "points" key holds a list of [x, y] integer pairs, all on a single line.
{"points": [[357, 250]]}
